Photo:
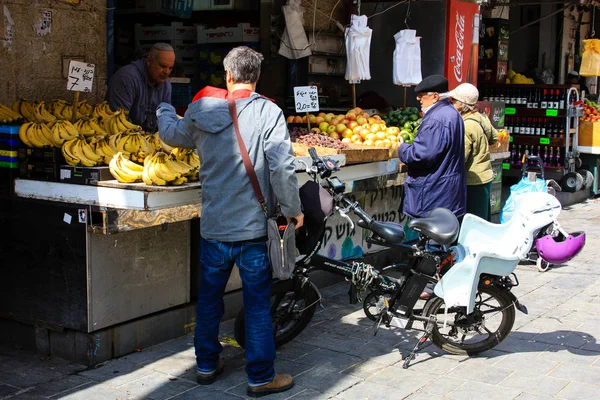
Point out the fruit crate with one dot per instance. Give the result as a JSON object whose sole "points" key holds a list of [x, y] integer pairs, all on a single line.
{"points": [[47, 155], [9, 170], [39, 171], [10, 129], [84, 175]]}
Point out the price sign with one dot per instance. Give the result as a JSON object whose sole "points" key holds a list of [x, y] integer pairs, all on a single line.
{"points": [[306, 98], [510, 139], [510, 111], [81, 76], [544, 140], [505, 166], [551, 113]]}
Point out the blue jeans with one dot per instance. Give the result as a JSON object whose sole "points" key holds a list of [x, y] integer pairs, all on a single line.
{"points": [[216, 262]]}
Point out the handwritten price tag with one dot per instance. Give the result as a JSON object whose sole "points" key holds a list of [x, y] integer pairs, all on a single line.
{"points": [[81, 76], [306, 98]]}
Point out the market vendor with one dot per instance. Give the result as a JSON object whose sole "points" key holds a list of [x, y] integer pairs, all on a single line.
{"points": [[142, 85], [436, 175]]}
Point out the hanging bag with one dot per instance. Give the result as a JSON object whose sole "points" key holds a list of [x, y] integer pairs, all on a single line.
{"points": [[281, 237], [590, 60]]}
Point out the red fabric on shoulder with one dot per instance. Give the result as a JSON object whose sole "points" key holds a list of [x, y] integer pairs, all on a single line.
{"points": [[217, 93]]}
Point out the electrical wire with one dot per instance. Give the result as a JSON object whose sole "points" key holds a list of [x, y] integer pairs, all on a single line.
{"points": [[389, 8]]}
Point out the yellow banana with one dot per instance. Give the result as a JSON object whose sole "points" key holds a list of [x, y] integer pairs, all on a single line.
{"points": [[119, 175], [163, 172], [46, 133], [16, 106], [145, 176], [90, 154], [131, 144], [23, 134], [69, 130], [178, 166], [56, 138], [179, 181], [77, 150], [152, 174], [96, 127], [35, 136], [128, 125], [130, 165], [68, 154]]}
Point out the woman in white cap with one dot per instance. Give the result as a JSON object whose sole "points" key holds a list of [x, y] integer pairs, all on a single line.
{"points": [[479, 134]]}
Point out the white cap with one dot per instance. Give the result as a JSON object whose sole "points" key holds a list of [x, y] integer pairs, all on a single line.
{"points": [[466, 93]]}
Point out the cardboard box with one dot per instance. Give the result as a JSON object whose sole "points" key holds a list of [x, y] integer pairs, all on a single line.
{"points": [[157, 33], [220, 35], [250, 33], [589, 133]]}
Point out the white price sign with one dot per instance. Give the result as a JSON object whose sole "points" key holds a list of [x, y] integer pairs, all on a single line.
{"points": [[81, 76], [306, 98]]}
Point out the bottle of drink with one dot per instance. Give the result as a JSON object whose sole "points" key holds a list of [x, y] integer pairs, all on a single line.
{"points": [[538, 127], [524, 97], [474, 55], [528, 126], [513, 98], [561, 100], [486, 94], [529, 103], [521, 126], [537, 98], [549, 158], [543, 127], [513, 153], [558, 158], [544, 155], [545, 99], [519, 156]]}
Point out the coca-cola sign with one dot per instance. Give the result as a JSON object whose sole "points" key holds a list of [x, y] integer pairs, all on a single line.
{"points": [[459, 38], [459, 30]]}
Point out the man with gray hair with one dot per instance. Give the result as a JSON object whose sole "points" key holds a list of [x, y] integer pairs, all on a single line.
{"points": [[142, 85], [233, 225]]}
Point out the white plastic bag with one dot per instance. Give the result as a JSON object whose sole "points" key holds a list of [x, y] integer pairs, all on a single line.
{"points": [[358, 47], [294, 43], [407, 58]]}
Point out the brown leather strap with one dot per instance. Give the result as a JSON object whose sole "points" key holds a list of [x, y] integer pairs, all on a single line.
{"points": [[245, 157]]}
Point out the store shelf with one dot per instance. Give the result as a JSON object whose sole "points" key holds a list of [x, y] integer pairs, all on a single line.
{"points": [[534, 112], [328, 54], [537, 140]]}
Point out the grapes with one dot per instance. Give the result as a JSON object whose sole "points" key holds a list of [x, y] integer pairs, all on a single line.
{"points": [[314, 139], [297, 132]]}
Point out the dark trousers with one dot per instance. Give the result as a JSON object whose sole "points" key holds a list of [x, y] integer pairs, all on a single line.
{"points": [[478, 200]]}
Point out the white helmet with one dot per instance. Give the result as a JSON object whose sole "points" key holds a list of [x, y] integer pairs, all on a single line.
{"points": [[466, 93]]}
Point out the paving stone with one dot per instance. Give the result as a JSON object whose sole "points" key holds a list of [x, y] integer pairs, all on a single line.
{"points": [[294, 350], [423, 396], [433, 364], [112, 369], [577, 373], [372, 390], [27, 396], [578, 391], [442, 385], [228, 379], [339, 343], [405, 379], [175, 365], [535, 383], [380, 352], [474, 372], [330, 359], [147, 355], [61, 385], [29, 376], [205, 393], [5, 390], [365, 369], [178, 345], [514, 345], [309, 394], [479, 391], [240, 391], [529, 396], [568, 354], [326, 381], [156, 386], [528, 362], [96, 392]]}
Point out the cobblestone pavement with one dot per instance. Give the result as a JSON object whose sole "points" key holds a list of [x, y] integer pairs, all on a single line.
{"points": [[552, 352]]}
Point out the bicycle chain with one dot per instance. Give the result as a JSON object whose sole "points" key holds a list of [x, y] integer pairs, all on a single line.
{"points": [[362, 276]]}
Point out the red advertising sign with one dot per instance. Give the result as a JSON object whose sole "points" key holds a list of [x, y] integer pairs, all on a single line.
{"points": [[462, 43]]}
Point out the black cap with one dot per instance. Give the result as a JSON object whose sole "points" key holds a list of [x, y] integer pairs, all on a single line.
{"points": [[433, 83]]}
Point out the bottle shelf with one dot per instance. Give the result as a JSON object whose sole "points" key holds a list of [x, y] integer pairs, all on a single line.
{"points": [[525, 112], [537, 140]]}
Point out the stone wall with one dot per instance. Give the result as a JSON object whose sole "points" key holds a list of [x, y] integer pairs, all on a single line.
{"points": [[32, 60]]}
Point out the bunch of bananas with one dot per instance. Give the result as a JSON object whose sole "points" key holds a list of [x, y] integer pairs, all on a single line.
{"points": [[188, 156], [62, 130], [61, 109], [33, 112], [117, 123], [78, 152], [215, 58], [162, 170], [90, 126], [130, 141], [157, 143], [7, 115], [36, 134], [125, 170], [102, 148], [216, 80], [102, 110]]}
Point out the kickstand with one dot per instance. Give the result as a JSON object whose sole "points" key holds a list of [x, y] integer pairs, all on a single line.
{"points": [[428, 330]]}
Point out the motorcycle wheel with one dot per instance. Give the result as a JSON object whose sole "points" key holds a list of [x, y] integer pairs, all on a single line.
{"points": [[373, 303], [487, 326], [292, 308]]}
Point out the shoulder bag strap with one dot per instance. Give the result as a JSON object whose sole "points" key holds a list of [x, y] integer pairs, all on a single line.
{"points": [[245, 157]]}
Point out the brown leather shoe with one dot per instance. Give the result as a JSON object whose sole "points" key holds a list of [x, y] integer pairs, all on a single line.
{"points": [[280, 383], [209, 379]]}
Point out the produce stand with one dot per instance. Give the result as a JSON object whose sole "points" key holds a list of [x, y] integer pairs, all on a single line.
{"points": [[114, 266]]}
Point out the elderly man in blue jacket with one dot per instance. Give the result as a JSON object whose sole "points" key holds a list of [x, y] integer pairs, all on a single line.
{"points": [[436, 158]]}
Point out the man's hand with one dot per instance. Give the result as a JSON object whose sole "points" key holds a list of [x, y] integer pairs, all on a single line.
{"points": [[400, 140], [299, 220]]}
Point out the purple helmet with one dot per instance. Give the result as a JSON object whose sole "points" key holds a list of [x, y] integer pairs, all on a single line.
{"points": [[557, 250]]}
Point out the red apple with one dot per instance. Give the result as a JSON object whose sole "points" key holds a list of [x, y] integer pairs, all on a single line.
{"points": [[297, 120], [352, 124], [340, 128]]}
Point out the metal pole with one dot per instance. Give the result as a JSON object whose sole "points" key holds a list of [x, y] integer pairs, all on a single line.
{"points": [[354, 95]]}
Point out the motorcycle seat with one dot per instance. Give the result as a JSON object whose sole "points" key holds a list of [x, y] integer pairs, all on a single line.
{"points": [[440, 225], [389, 231]]}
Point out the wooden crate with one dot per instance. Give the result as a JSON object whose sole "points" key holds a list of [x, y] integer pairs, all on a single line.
{"points": [[357, 154], [589, 133]]}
